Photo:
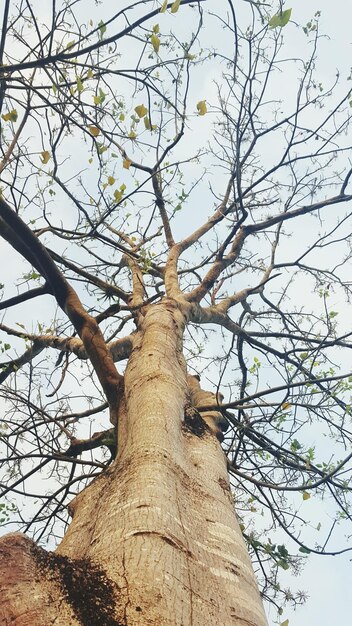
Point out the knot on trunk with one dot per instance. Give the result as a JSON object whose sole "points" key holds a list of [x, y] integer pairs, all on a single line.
{"points": [[198, 421]]}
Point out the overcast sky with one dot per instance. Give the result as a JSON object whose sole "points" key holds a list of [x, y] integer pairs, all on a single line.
{"points": [[328, 580]]}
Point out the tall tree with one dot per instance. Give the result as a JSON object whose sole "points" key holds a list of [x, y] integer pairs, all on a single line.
{"points": [[168, 207]]}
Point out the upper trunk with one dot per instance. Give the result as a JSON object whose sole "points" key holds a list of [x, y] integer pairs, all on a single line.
{"points": [[159, 523]]}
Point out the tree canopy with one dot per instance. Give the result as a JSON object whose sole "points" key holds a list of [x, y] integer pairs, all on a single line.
{"points": [[178, 150]]}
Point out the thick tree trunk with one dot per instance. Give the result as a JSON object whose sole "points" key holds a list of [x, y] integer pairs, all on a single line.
{"points": [[155, 539]]}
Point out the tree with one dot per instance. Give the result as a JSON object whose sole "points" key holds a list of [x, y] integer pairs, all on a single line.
{"points": [[180, 224]]}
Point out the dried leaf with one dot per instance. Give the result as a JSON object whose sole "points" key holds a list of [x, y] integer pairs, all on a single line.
{"points": [[94, 131], [202, 107], [45, 156]]}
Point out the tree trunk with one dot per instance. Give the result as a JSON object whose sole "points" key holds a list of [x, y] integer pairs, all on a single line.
{"points": [[155, 539]]}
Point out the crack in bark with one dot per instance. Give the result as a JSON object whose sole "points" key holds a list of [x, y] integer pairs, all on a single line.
{"points": [[172, 541]]}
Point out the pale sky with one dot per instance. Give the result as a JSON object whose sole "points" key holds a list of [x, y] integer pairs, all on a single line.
{"points": [[327, 580]]}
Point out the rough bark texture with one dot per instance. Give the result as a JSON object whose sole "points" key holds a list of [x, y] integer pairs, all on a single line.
{"points": [[154, 540]]}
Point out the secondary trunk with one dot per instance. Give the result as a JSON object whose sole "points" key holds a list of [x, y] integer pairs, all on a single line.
{"points": [[155, 539]]}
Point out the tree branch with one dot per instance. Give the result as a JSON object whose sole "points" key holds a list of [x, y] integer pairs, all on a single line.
{"points": [[27, 244]]}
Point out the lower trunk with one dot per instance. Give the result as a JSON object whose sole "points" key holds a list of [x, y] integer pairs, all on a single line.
{"points": [[155, 539]]}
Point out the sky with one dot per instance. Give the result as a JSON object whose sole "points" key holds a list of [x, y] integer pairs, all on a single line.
{"points": [[326, 579]]}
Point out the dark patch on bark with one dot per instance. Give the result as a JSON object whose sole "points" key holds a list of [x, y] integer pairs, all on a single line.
{"points": [[222, 426], [224, 485], [87, 588], [234, 569], [217, 423], [194, 423]]}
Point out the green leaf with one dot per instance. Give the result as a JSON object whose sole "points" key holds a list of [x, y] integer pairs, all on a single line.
{"points": [[31, 276], [305, 495], [141, 110], [156, 29], [79, 84], [102, 28], [280, 19], [175, 6], [11, 116], [118, 193], [285, 623], [304, 550], [155, 41], [99, 99], [282, 550], [163, 7]]}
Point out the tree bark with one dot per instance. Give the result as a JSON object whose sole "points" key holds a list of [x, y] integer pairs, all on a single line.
{"points": [[155, 539]]}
